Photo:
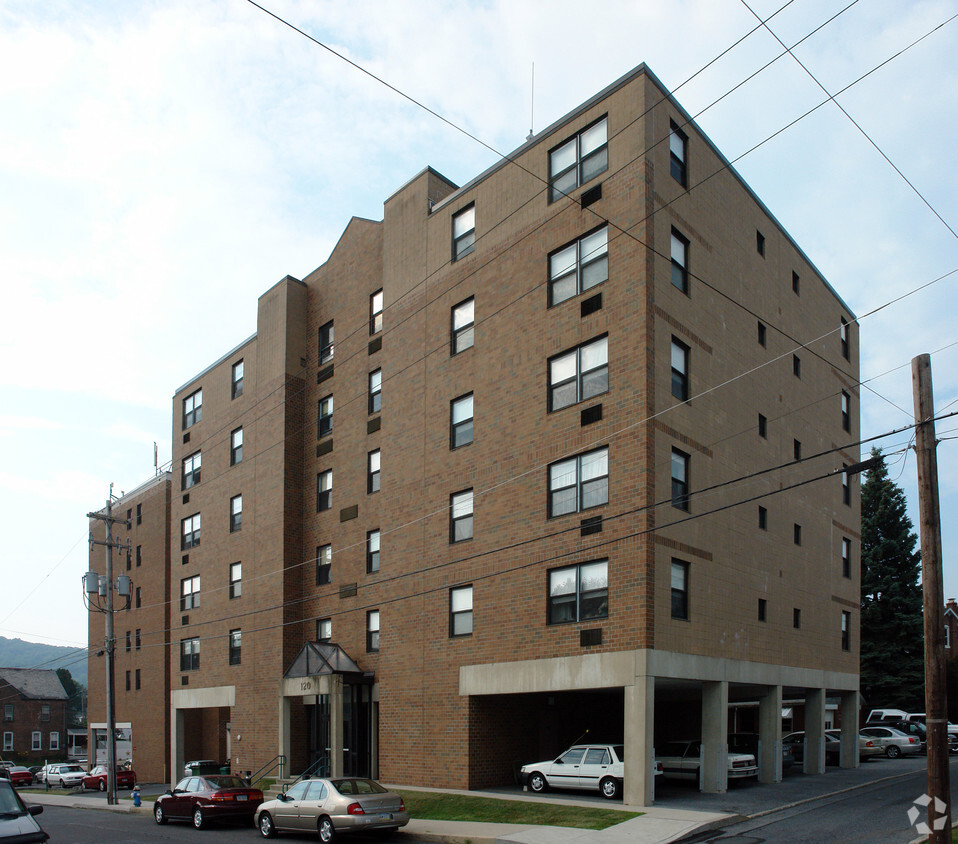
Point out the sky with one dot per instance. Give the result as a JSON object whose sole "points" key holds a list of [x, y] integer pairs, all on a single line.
{"points": [[162, 164]]}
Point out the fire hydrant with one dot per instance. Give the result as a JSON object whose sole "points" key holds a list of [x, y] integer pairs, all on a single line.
{"points": [[136, 796]]}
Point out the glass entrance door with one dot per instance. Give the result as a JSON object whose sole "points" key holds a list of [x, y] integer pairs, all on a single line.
{"points": [[357, 724], [317, 736]]}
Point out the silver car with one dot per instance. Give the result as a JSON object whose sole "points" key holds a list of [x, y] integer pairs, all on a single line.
{"points": [[332, 806], [894, 742]]}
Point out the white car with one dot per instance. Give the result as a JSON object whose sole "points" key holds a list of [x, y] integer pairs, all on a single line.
{"points": [[591, 767], [894, 742], [65, 775], [682, 759]]}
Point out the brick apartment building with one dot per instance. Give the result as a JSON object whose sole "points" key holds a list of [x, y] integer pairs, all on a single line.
{"points": [[142, 667], [560, 450], [34, 715]]}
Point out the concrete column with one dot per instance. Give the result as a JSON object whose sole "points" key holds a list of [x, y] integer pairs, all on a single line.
{"points": [[285, 742], [177, 743], [336, 725], [848, 708], [770, 735], [714, 771], [814, 731], [639, 780]]}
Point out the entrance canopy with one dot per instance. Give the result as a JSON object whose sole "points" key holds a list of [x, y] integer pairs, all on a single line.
{"points": [[323, 658]]}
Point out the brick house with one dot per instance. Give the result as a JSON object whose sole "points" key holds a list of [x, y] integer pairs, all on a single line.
{"points": [[34, 715]]}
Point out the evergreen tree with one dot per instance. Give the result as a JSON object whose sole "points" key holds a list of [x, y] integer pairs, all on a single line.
{"points": [[76, 692], [892, 625]]}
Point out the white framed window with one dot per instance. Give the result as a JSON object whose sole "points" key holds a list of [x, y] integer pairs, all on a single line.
{"points": [[375, 391], [324, 630], [844, 337], [373, 465], [192, 466], [325, 418], [460, 421], [846, 411], [372, 630], [460, 516], [190, 654], [579, 483], [579, 592], [36, 740], [236, 382], [579, 266], [236, 647], [326, 345], [579, 159], [463, 325], [189, 593], [846, 630], [678, 153], [324, 564], [192, 409], [236, 580], [579, 374], [680, 590], [54, 740], [324, 490], [372, 551], [236, 446], [464, 232], [376, 312], [8, 741], [680, 479], [236, 513], [680, 369], [190, 532], [846, 557], [680, 262], [460, 611]]}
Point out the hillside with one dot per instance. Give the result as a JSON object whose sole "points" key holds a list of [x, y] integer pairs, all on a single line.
{"points": [[16, 653]]}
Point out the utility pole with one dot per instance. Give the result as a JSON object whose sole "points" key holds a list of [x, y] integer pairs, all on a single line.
{"points": [[96, 588], [936, 701]]}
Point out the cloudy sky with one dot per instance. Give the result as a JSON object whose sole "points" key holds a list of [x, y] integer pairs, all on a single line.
{"points": [[164, 163]]}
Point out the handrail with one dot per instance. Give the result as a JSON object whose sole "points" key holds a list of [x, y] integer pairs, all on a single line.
{"points": [[278, 761], [320, 768]]}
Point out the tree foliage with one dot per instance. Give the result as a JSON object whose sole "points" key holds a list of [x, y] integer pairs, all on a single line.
{"points": [[892, 626], [76, 693]]}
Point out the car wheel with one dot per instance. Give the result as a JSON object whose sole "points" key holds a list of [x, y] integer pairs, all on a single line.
{"points": [[102, 785], [538, 783], [198, 819], [158, 815], [327, 832], [609, 788], [61, 783], [266, 828], [893, 751]]}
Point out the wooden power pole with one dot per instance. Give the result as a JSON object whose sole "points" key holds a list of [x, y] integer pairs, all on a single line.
{"points": [[936, 701]]}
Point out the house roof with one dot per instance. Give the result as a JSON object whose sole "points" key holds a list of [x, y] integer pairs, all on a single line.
{"points": [[35, 683]]}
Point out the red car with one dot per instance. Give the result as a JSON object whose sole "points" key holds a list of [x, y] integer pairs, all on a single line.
{"points": [[97, 778], [19, 776], [206, 799]]}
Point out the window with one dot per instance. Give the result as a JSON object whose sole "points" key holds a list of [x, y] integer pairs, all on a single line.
{"points": [[189, 654], [579, 266], [761, 334], [139, 555], [796, 282], [846, 486], [8, 712], [579, 592], [36, 740], [797, 534], [190, 532], [326, 342], [680, 370], [463, 326], [139, 596], [760, 243], [8, 741], [376, 312], [324, 490], [579, 483], [325, 425], [139, 513], [680, 262], [236, 384], [372, 471], [579, 374], [191, 470], [236, 646], [796, 618], [55, 740], [948, 636], [192, 409], [460, 611], [129, 641], [578, 160], [678, 151], [762, 427], [236, 446], [136, 639], [846, 411], [460, 421], [44, 711], [762, 517], [844, 337], [372, 551], [796, 366], [324, 630], [372, 630], [680, 590], [762, 608], [236, 513], [236, 580], [375, 391], [129, 519], [460, 516], [129, 681], [136, 680], [463, 232], [680, 479], [324, 564], [797, 449], [189, 593], [846, 629], [846, 557], [128, 559]]}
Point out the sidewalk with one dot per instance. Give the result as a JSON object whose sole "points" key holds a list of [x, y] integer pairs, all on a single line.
{"points": [[658, 825]]}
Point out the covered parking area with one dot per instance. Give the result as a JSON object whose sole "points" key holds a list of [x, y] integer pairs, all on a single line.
{"points": [[639, 697]]}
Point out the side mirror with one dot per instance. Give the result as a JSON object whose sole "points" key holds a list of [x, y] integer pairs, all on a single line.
{"points": [[36, 809]]}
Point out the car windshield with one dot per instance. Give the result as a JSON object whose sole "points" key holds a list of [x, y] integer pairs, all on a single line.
{"points": [[226, 782], [10, 802]]}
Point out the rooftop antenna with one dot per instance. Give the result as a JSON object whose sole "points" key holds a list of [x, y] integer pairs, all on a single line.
{"points": [[532, 107]]}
